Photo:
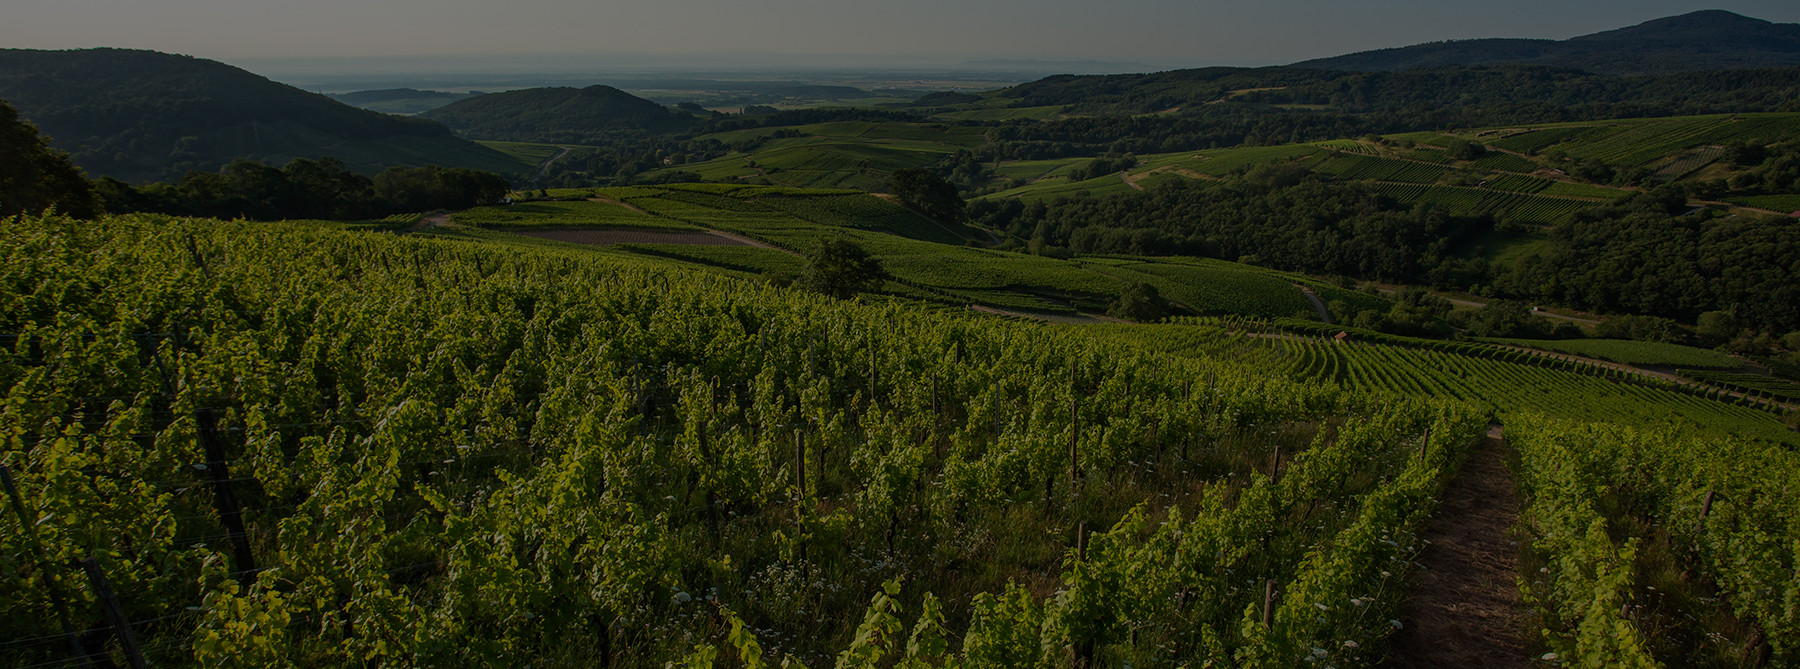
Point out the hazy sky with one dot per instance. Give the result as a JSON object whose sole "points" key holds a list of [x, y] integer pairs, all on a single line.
{"points": [[1161, 32]]}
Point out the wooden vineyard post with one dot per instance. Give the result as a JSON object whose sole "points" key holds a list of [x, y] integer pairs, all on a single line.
{"points": [[996, 409], [936, 411], [1424, 447], [1705, 510], [229, 513], [1275, 465], [1074, 445], [1268, 602], [51, 584], [800, 463], [109, 604], [800, 501], [1081, 541]]}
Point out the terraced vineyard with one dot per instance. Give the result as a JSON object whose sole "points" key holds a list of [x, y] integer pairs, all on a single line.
{"points": [[1637, 142], [1356, 167], [1763, 385], [1497, 380], [1501, 203], [1646, 353]]}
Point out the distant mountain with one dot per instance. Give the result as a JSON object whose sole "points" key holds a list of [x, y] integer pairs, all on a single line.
{"points": [[574, 115], [1705, 40], [144, 115], [1055, 66], [400, 100], [1285, 104]]}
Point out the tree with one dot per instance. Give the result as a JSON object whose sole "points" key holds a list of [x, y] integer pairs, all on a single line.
{"points": [[1462, 149], [927, 192], [35, 177], [1139, 302], [1716, 327], [839, 268]]}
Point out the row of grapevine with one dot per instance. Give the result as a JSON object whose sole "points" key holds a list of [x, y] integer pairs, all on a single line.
{"points": [[1725, 504]]}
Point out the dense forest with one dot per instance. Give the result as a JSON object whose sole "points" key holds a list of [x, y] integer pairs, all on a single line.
{"points": [[318, 189], [1646, 255], [37, 177], [1275, 215]]}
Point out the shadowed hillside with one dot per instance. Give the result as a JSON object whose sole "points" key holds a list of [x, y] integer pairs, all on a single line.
{"points": [[141, 115], [1705, 40]]}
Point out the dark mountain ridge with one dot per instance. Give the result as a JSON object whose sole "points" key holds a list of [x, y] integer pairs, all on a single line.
{"points": [[1703, 40], [141, 115]]}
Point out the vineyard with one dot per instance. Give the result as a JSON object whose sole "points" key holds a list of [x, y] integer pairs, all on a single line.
{"points": [[1504, 381], [1358, 167], [1767, 386], [1650, 353], [292, 445], [1611, 506], [1501, 203]]}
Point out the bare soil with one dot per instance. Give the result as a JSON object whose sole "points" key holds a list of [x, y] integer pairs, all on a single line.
{"points": [[1465, 611]]}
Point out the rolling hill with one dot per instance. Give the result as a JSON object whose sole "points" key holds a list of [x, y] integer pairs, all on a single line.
{"points": [[589, 115], [143, 115], [400, 100], [1704, 40]]}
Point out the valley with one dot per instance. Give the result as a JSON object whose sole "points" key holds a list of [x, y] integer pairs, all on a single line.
{"points": [[1481, 352]]}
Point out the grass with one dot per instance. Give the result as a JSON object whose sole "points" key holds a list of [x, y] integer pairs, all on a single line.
{"points": [[1655, 354], [1782, 203]]}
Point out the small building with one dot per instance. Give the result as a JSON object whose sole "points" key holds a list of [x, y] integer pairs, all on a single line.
{"points": [[1342, 336]]}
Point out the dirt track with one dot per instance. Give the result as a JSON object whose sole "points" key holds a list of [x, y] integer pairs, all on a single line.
{"points": [[618, 236], [1465, 611]]}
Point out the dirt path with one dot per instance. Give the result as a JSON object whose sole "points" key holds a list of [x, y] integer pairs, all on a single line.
{"points": [[1318, 304], [621, 203], [1465, 611], [544, 171], [1125, 176], [1049, 318]]}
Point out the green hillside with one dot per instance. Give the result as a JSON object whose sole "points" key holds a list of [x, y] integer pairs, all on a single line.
{"points": [[143, 115]]}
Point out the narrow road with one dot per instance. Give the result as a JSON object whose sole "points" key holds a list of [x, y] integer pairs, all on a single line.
{"points": [[544, 171], [1465, 610], [1318, 304], [1125, 176]]}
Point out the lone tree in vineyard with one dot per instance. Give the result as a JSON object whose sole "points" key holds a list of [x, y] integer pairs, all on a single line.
{"points": [[840, 268]]}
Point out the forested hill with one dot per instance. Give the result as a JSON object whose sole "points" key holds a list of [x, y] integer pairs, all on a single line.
{"points": [[595, 114], [1452, 95], [1705, 40], [142, 115]]}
